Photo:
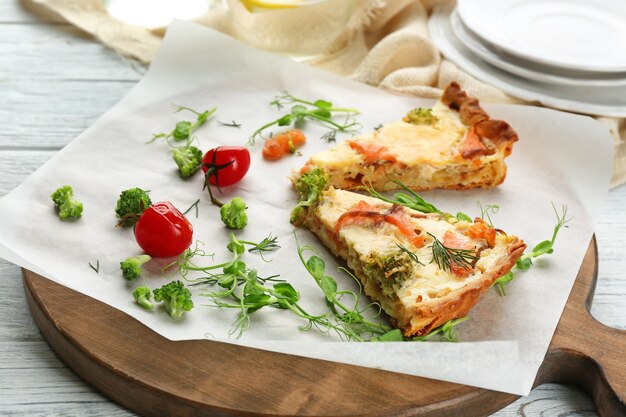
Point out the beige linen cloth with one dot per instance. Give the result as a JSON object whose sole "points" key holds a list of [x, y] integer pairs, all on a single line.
{"points": [[383, 43]]}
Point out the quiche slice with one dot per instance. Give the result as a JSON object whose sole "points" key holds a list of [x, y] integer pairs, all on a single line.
{"points": [[454, 145], [423, 269]]}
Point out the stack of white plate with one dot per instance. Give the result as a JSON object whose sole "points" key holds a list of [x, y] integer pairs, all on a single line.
{"points": [[567, 54]]}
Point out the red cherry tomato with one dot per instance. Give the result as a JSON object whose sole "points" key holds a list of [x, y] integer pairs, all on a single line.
{"points": [[163, 231], [228, 164]]}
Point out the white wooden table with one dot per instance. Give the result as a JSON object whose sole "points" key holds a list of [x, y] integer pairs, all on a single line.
{"points": [[54, 82]]}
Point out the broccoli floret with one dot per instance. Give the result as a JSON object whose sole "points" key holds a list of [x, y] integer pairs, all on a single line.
{"points": [[234, 213], [68, 208], [420, 116], [131, 267], [188, 159], [310, 186], [142, 296], [176, 297], [131, 205]]}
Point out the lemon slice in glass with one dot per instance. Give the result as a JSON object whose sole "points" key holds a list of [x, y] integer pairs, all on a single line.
{"points": [[261, 5]]}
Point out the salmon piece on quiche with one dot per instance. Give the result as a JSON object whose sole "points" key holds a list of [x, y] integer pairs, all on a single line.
{"points": [[423, 269], [454, 145]]}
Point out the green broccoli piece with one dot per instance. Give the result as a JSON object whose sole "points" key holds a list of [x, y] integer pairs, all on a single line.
{"points": [[420, 116], [131, 267], [234, 213], [142, 297], [64, 201], [176, 297], [131, 205], [188, 159], [310, 186]]}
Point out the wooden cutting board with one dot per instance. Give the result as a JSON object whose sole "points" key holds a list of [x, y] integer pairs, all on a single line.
{"points": [[156, 377]]}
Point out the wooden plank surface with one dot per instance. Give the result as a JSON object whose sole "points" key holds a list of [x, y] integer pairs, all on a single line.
{"points": [[65, 100], [92, 338]]}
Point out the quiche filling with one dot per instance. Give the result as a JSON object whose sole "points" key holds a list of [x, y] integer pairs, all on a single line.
{"points": [[454, 145], [390, 250]]}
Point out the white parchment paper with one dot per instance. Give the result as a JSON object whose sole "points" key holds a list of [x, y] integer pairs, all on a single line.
{"points": [[560, 158]]}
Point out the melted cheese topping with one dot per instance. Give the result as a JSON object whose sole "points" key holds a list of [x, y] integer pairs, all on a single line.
{"points": [[437, 144]]}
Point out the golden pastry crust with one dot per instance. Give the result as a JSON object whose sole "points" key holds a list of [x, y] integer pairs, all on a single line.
{"points": [[498, 132], [457, 305]]}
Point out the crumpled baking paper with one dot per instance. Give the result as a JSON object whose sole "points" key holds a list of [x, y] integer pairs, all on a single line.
{"points": [[560, 158]]}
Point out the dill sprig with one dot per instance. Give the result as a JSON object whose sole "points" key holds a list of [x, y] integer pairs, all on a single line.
{"points": [[446, 257], [330, 136], [231, 124], [411, 254], [95, 268], [268, 244]]}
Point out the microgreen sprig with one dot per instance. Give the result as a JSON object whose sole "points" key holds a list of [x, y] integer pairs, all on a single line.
{"points": [[287, 98], [242, 289], [545, 247], [355, 324], [484, 212], [320, 111], [446, 333], [411, 200], [184, 129]]}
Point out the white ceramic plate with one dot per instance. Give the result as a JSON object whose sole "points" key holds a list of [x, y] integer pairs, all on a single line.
{"points": [[578, 34], [528, 69], [588, 100]]}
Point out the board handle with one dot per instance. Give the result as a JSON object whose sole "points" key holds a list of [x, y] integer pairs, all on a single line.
{"points": [[585, 352]]}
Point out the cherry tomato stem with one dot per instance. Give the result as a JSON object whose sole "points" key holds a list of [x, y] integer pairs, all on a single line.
{"points": [[224, 165]]}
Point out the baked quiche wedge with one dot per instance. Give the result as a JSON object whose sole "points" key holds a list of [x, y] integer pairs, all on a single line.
{"points": [[454, 145], [423, 269]]}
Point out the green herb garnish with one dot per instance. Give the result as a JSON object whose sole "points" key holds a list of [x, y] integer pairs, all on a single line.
{"points": [[411, 200], [320, 111], [231, 124], [543, 248], [446, 257], [184, 129], [484, 212], [446, 331], [412, 255]]}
